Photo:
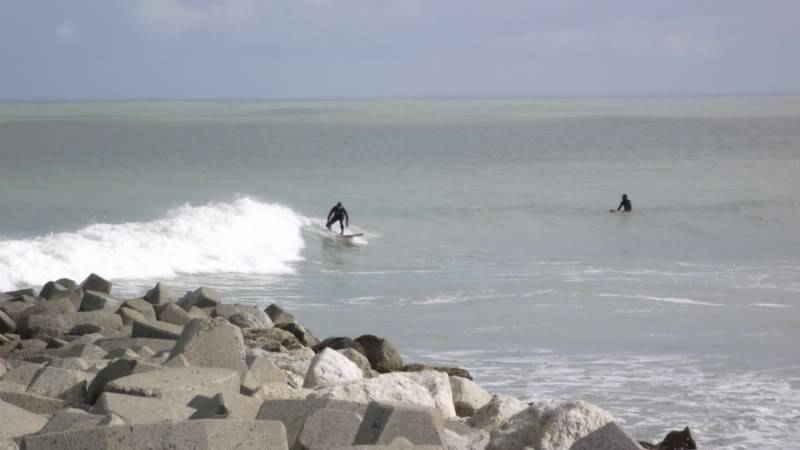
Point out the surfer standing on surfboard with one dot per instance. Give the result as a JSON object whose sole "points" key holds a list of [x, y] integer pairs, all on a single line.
{"points": [[338, 214]]}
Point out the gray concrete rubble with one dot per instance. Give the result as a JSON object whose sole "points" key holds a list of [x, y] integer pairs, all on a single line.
{"points": [[80, 368]]}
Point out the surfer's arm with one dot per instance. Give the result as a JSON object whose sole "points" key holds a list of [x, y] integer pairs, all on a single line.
{"points": [[330, 214], [620, 206]]}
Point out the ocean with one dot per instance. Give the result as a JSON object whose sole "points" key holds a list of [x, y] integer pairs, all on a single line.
{"points": [[488, 241]]}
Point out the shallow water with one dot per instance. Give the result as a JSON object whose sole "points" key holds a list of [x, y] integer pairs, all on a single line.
{"points": [[487, 238]]}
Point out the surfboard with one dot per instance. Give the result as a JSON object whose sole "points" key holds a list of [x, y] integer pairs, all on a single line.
{"points": [[349, 236]]}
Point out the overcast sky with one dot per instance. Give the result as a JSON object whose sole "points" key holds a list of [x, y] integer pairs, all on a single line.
{"points": [[100, 49]]}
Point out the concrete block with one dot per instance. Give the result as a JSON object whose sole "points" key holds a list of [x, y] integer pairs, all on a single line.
{"points": [[293, 413], [243, 316], [330, 367], [85, 351], [201, 298], [124, 353], [468, 397], [36, 404], [21, 292], [142, 306], [118, 369], [160, 295], [71, 363], [157, 345], [174, 314], [23, 374], [279, 391], [136, 410], [385, 422], [326, 428], [67, 385], [155, 330], [96, 283], [7, 324], [212, 343], [71, 419], [15, 421], [98, 301], [608, 437], [180, 385], [206, 434], [129, 315], [226, 406], [51, 324], [262, 371], [178, 361], [106, 321]]}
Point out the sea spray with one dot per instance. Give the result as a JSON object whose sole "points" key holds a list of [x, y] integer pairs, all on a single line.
{"points": [[244, 236]]}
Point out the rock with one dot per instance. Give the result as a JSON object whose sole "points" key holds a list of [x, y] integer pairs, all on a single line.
{"points": [[294, 364], [261, 370], [226, 406], [137, 410], [52, 287], [99, 301], [125, 353], [391, 387], [142, 306], [105, 321], [155, 330], [608, 437], [468, 397], [385, 422], [160, 295], [144, 351], [258, 337], [174, 314], [21, 292], [14, 310], [85, 351], [678, 440], [293, 413], [202, 297], [67, 385], [279, 391], [330, 367], [206, 434], [278, 315], [212, 343], [7, 347], [381, 353], [63, 288], [96, 283], [339, 343], [36, 404], [438, 385], [359, 360], [70, 363], [178, 361], [46, 324], [326, 428], [3, 369], [243, 316], [301, 333], [549, 425], [496, 412], [23, 374], [70, 419], [156, 345], [129, 316], [15, 422], [7, 325], [461, 436], [118, 369], [179, 385]]}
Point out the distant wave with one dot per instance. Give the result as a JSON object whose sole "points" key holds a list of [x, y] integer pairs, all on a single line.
{"points": [[677, 300], [243, 236]]}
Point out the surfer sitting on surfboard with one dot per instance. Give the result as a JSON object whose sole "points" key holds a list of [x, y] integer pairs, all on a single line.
{"points": [[338, 214]]}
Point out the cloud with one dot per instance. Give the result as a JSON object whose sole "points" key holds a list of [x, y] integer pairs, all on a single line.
{"points": [[176, 16], [66, 32]]}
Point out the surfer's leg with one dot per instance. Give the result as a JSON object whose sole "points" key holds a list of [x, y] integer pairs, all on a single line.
{"points": [[341, 224]]}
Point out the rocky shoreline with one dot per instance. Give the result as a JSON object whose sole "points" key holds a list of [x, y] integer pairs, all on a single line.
{"points": [[81, 368]]}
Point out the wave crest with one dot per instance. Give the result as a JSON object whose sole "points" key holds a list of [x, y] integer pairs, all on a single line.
{"points": [[243, 236]]}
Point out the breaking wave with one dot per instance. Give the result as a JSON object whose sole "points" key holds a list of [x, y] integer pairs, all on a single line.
{"points": [[243, 236]]}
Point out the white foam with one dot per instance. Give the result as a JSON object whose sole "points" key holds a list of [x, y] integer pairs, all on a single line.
{"points": [[244, 236], [770, 305], [677, 300]]}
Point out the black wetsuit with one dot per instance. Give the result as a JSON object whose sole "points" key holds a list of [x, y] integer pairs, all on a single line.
{"points": [[625, 203], [338, 214]]}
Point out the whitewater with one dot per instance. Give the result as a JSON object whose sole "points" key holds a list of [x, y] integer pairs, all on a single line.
{"points": [[488, 243]]}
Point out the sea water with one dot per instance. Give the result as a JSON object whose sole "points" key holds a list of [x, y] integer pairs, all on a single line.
{"points": [[487, 238]]}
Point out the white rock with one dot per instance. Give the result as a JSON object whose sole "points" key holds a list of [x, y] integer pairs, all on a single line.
{"points": [[389, 387], [438, 385], [549, 425], [16, 421], [468, 397], [330, 367], [294, 364], [499, 409]]}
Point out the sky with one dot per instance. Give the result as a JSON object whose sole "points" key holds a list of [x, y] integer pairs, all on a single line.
{"points": [[306, 49]]}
